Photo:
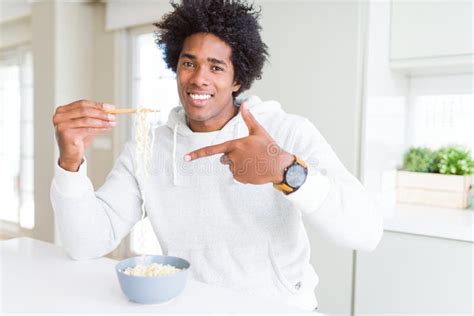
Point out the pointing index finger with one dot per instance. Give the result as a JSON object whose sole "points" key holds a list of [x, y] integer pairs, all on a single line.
{"points": [[209, 151]]}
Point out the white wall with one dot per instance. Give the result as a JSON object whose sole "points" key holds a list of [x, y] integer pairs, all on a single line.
{"points": [[385, 96], [15, 32], [315, 56], [44, 65], [316, 70], [11, 10], [103, 75]]}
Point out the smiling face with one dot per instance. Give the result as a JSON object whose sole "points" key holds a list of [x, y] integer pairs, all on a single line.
{"points": [[205, 77]]}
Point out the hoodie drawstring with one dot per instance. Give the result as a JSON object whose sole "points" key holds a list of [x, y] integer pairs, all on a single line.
{"points": [[236, 130], [236, 133], [175, 171]]}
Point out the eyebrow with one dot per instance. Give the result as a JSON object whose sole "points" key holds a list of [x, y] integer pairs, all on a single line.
{"points": [[209, 59]]}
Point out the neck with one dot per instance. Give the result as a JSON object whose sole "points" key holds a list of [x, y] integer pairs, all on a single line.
{"points": [[211, 126]]}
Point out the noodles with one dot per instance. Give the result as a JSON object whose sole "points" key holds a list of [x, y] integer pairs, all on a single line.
{"points": [[154, 269], [144, 139]]}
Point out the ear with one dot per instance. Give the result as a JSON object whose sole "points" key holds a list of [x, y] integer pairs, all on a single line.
{"points": [[235, 86]]}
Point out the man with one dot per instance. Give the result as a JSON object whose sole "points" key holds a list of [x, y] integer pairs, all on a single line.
{"points": [[231, 180]]}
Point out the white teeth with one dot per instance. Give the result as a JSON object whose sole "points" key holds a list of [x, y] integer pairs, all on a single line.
{"points": [[200, 96]]}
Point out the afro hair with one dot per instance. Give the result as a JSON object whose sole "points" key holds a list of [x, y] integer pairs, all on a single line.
{"points": [[233, 21]]}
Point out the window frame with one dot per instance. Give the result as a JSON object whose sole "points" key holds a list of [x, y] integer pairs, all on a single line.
{"points": [[18, 53]]}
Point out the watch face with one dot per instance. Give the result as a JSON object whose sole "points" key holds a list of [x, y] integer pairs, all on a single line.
{"points": [[296, 176]]}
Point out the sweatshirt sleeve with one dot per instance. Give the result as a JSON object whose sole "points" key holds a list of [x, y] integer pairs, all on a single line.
{"points": [[91, 224], [332, 200]]}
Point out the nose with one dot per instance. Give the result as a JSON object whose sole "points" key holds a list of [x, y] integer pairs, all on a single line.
{"points": [[200, 77]]}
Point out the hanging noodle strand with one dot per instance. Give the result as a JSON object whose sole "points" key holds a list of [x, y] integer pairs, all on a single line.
{"points": [[144, 140]]}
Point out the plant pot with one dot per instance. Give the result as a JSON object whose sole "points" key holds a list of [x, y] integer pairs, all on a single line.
{"points": [[433, 189]]}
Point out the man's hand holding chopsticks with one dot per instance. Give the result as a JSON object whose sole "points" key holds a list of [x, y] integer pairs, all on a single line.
{"points": [[76, 125]]}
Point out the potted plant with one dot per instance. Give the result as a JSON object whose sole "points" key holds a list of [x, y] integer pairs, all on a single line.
{"points": [[438, 178]]}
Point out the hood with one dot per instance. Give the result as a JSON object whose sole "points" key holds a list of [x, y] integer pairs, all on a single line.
{"points": [[235, 128]]}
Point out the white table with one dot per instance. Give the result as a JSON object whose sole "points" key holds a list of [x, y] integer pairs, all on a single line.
{"points": [[38, 277]]}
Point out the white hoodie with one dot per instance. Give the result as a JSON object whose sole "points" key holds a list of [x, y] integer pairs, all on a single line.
{"points": [[242, 236]]}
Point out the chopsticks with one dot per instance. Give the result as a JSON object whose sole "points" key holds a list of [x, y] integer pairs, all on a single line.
{"points": [[129, 110]]}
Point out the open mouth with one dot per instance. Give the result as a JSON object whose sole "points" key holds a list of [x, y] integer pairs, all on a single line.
{"points": [[200, 98]]}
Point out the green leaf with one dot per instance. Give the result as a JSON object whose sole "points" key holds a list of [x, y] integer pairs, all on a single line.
{"points": [[453, 160], [419, 159]]}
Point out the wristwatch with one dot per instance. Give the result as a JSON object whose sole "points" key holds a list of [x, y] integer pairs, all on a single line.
{"points": [[294, 176]]}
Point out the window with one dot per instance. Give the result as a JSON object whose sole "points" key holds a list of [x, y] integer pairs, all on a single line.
{"points": [[16, 137], [441, 112], [154, 86], [444, 120]]}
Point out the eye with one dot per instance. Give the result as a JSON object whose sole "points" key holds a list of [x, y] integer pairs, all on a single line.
{"points": [[217, 68], [188, 64]]}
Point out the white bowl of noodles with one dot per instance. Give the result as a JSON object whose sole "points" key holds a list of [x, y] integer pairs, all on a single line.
{"points": [[152, 279]]}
